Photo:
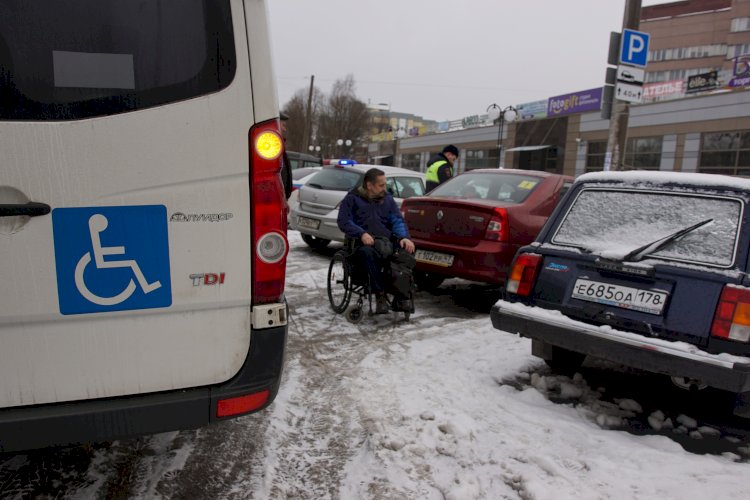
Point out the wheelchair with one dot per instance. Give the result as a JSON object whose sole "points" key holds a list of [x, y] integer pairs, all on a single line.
{"points": [[345, 282]]}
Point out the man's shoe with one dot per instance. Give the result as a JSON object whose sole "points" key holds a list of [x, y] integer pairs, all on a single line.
{"points": [[381, 305]]}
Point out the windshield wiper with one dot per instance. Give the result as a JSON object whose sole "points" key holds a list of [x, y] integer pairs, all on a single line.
{"points": [[652, 247], [315, 185]]}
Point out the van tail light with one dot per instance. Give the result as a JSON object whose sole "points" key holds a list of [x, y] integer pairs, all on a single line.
{"points": [[732, 317], [241, 404], [498, 227], [523, 274], [268, 211]]}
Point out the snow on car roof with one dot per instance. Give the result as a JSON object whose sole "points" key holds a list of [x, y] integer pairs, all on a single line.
{"points": [[647, 177]]}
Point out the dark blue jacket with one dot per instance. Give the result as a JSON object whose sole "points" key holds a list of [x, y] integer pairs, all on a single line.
{"points": [[359, 215]]}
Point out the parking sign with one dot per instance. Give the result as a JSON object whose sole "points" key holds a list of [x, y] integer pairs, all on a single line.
{"points": [[111, 258], [634, 48]]}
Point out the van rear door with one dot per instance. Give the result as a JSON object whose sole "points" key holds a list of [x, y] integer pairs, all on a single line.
{"points": [[130, 120]]}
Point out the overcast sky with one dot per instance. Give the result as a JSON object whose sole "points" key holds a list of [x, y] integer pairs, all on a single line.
{"points": [[444, 59]]}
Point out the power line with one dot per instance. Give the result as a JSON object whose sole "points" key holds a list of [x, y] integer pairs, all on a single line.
{"points": [[415, 84]]}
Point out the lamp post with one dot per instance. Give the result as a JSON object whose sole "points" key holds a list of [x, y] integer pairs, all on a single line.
{"points": [[509, 114], [312, 148], [342, 142]]}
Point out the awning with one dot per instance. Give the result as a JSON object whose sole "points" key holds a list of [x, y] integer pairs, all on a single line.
{"points": [[529, 148]]}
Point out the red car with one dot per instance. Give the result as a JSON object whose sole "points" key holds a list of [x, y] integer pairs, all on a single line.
{"points": [[471, 226]]}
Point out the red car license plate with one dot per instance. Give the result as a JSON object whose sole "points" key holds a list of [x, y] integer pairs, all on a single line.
{"points": [[436, 258]]}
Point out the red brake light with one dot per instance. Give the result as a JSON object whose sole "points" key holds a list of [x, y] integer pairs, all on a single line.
{"points": [[497, 227], [268, 210], [241, 404], [523, 274], [732, 316]]}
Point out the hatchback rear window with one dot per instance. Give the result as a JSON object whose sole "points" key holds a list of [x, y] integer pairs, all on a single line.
{"points": [[72, 60], [614, 223], [512, 188], [335, 179]]}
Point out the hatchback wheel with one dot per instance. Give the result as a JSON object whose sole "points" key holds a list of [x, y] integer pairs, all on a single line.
{"points": [[314, 242]]}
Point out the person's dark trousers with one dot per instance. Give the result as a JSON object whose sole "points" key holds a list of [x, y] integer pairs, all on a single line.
{"points": [[370, 259]]}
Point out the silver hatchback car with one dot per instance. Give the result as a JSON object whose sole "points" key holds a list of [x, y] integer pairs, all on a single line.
{"points": [[317, 208]]}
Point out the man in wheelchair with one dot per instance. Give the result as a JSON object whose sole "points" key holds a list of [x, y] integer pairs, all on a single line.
{"points": [[372, 222]]}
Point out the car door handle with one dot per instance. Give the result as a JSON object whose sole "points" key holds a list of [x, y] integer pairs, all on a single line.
{"points": [[32, 209]]}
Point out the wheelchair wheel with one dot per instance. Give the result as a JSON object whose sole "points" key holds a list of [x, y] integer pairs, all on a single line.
{"points": [[355, 314], [339, 283]]}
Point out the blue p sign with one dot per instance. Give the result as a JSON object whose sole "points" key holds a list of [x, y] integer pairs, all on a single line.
{"points": [[634, 50]]}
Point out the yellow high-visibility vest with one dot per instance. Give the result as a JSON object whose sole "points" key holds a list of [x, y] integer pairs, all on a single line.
{"points": [[432, 173]]}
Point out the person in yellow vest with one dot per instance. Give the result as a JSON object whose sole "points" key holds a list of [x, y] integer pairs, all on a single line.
{"points": [[440, 168]]}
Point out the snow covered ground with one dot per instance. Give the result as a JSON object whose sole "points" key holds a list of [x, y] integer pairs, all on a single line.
{"points": [[441, 407]]}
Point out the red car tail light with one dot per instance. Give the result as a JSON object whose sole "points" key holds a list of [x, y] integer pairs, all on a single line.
{"points": [[498, 227], [523, 274], [268, 209], [732, 317]]}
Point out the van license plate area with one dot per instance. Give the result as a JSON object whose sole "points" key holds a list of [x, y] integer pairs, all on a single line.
{"points": [[308, 223], [436, 258], [637, 299]]}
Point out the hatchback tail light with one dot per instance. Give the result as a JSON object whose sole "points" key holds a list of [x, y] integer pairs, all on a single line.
{"points": [[268, 210], [732, 317], [498, 227], [523, 274]]}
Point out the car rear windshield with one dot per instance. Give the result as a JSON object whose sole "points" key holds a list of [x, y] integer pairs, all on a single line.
{"points": [[335, 179], [614, 223], [512, 188], [72, 60]]}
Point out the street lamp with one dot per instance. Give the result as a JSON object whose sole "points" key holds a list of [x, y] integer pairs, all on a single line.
{"points": [[341, 142], [509, 114], [312, 148]]}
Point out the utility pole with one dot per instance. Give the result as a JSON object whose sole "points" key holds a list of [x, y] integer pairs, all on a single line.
{"points": [[308, 117], [618, 122]]}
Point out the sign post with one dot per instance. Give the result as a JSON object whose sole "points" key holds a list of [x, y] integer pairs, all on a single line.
{"points": [[629, 87]]}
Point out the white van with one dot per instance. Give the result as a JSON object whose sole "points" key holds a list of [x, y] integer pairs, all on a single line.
{"points": [[142, 218]]}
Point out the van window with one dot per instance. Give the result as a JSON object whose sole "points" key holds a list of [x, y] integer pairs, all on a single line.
{"points": [[72, 60]]}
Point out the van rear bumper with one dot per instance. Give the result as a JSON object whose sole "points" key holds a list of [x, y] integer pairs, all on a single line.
{"points": [[115, 418], [730, 373]]}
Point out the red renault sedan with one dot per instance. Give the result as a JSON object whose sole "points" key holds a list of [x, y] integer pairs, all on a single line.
{"points": [[471, 226]]}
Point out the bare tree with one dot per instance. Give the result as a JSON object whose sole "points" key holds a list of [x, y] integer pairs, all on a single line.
{"points": [[338, 116], [344, 117], [296, 109]]}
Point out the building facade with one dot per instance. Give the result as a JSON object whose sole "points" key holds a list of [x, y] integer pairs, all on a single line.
{"points": [[708, 133], [675, 129]]}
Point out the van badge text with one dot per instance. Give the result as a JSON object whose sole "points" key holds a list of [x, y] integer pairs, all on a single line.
{"points": [[207, 279], [181, 217]]}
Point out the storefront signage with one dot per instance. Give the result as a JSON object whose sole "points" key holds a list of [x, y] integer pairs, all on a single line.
{"points": [[702, 82], [663, 90], [532, 110], [741, 76], [577, 102]]}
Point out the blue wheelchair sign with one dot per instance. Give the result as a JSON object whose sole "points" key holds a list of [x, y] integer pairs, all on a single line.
{"points": [[634, 49], [111, 258]]}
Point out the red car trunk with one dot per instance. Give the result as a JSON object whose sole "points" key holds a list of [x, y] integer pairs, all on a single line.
{"points": [[462, 222], [471, 226]]}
